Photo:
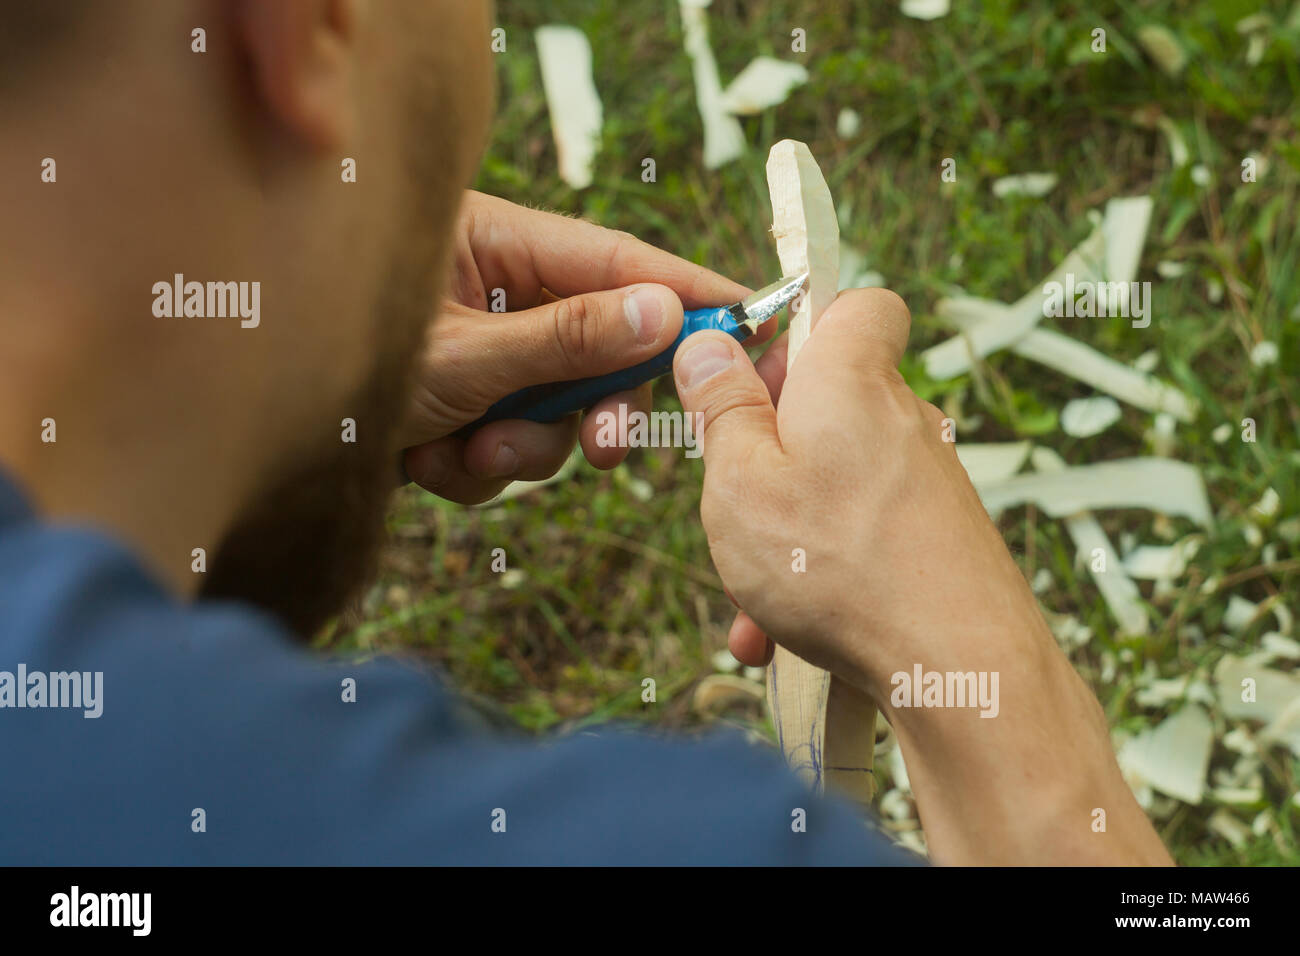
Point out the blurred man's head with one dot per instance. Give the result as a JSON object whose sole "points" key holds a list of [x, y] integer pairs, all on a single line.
{"points": [[216, 141]]}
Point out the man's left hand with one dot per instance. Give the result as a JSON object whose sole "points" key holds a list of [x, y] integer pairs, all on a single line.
{"points": [[569, 288]]}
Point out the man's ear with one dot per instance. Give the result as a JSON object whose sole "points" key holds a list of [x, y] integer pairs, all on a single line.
{"points": [[303, 54]]}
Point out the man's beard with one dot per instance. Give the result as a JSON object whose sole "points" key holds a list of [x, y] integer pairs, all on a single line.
{"points": [[311, 540]]}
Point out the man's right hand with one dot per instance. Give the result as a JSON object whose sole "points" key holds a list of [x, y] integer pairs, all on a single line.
{"points": [[903, 567], [901, 559]]}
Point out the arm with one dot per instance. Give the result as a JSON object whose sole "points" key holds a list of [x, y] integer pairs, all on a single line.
{"points": [[904, 568]]}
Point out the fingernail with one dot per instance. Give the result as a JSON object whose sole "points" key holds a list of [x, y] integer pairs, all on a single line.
{"points": [[644, 308], [504, 463], [702, 361]]}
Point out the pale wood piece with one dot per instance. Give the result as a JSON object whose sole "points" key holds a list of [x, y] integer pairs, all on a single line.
{"points": [[724, 140], [1118, 590], [807, 233], [565, 56], [764, 83], [826, 728]]}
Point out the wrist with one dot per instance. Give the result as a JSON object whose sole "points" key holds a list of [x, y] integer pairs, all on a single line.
{"points": [[1030, 784]]}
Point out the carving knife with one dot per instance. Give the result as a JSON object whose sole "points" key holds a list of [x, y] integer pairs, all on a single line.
{"points": [[553, 401]]}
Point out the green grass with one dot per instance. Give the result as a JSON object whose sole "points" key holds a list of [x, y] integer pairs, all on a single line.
{"points": [[612, 585]]}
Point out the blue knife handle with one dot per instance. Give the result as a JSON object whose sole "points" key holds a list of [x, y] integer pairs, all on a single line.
{"points": [[553, 401]]}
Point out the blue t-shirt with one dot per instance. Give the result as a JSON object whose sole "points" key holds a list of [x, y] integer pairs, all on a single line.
{"points": [[214, 737]]}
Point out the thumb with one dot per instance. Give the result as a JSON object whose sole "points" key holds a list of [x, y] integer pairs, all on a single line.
{"points": [[576, 337], [716, 380]]}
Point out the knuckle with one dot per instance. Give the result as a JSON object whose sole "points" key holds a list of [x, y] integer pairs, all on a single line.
{"points": [[431, 407], [935, 427], [927, 421], [893, 403], [449, 343], [452, 364], [886, 379], [574, 328], [621, 242], [899, 403], [881, 381], [886, 302], [931, 414], [731, 403]]}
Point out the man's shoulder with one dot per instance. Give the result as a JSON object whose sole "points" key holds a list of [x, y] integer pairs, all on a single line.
{"points": [[61, 586], [219, 738], [74, 599], [135, 718]]}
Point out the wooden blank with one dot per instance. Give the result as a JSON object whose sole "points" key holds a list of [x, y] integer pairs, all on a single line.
{"points": [[565, 57], [826, 728]]}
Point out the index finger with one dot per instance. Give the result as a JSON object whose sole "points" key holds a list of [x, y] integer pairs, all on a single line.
{"points": [[573, 256]]}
